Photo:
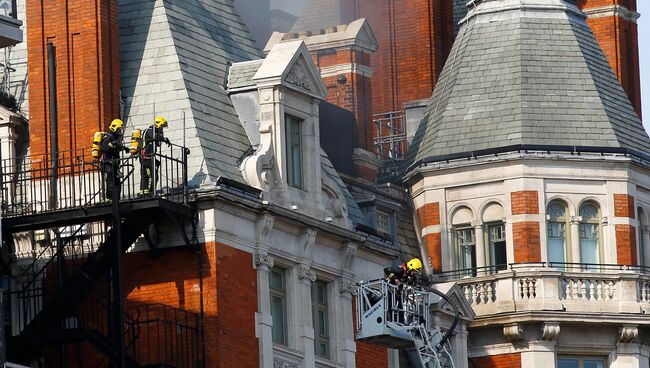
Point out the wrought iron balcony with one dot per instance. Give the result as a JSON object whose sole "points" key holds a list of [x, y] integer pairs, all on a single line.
{"points": [[562, 288]]}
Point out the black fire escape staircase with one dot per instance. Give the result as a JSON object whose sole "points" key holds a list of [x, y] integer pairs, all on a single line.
{"points": [[67, 289]]}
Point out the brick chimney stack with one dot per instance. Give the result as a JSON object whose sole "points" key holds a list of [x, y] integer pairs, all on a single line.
{"points": [[614, 23]]}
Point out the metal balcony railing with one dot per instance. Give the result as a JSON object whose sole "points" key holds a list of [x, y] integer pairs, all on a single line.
{"points": [[37, 184]]}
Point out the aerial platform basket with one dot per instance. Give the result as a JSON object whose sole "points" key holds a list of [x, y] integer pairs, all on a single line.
{"points": [[399, 319]]}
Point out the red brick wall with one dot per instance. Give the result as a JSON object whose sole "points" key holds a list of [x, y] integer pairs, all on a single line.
{"points": [[368, 355], [85, 33], [429, 214], [623, 205], [619, 40], [433, 243], [230, 296], [626, 244], [524, 202], [526, 240], [414, 39], [498, 361]]}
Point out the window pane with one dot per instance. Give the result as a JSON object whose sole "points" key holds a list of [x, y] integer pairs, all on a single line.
{"points": [[322, 326], [567, 363], [556, 210], [277, 314], [383, 222], [294, 144], [589, 251], [594, 363], [276, 281], [556, 250], [497, 246], [589, 212]]}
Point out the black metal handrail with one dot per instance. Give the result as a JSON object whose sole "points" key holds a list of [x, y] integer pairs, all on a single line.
{"points": [[167, 336], [26, 182]]}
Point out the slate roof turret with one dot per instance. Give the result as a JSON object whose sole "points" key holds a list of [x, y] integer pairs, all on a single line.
{"points": [[526, 72]]}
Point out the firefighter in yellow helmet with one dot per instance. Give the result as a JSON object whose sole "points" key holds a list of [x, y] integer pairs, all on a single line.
{"points": [[152, 137], [407, 273], [110, 147]]}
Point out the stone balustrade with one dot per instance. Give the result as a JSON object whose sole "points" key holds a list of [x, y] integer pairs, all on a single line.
{"points": [[547, 289]]}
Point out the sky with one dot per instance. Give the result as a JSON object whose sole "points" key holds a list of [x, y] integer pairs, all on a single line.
{"points": [[643, 7]]}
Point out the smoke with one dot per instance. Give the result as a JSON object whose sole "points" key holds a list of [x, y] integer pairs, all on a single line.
{"points": [[294, 7]]}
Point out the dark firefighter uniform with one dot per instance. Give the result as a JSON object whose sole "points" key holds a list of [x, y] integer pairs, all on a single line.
{"points": [[110, 148], [151, 139]]}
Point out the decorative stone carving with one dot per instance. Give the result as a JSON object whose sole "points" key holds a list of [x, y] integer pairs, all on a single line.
{"points": [[550, 331], [628, 334], [347, 288], [257, 168], [513, 333], [575, 220], [349, 252], [308, 241], [604, 221], [282, 364], [333, 198], [306, 274], [263, 228], [298, 77], [264, 260]]}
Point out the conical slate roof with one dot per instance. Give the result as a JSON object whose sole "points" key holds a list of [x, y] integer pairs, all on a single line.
{"points": [[526, 72], [174, 60]]}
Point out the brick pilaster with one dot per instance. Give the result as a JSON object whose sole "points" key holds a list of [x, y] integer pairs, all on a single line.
{"points": [[526, 234], [429, 215], [498, 361]]}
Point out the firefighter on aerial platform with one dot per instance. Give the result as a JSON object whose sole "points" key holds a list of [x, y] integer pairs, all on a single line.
{"points": [[408, 274], [152, 137], [106, 148]]}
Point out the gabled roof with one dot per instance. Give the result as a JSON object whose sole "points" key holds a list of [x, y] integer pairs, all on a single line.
{"points": [[526, 72], [174, 61]]}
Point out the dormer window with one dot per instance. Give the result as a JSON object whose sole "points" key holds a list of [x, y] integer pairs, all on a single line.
{"points": [[294, 151]]}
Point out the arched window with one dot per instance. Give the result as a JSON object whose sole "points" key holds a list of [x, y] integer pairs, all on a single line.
{"points": [[589, 233], [493, 216], [556, 226], [464, 238]]}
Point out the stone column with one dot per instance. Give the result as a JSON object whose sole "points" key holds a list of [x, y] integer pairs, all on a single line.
{"points": [[263, 319], [304, 312], [574, 229], [480, 247], [263, 263], [347, 347]]}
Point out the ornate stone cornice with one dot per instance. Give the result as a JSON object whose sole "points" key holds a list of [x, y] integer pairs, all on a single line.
{"points": [[550, 331]]}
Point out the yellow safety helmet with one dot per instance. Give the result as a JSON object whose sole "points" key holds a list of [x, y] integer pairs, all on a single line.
{"points": [[160, 122], [115, 125], [414, 264]]}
